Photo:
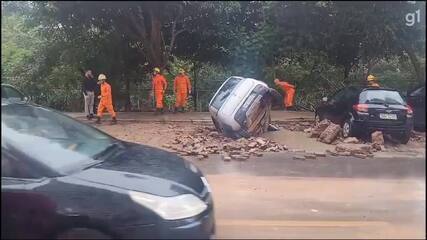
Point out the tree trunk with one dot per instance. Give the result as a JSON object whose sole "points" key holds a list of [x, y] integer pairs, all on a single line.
{"points": [[156, 43]]}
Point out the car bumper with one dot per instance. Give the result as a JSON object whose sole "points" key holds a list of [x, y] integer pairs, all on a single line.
{"points": [[384, 126], [201, 227]]}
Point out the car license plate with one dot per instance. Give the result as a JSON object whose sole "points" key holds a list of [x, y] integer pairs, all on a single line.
{"points": [[388, 116]]}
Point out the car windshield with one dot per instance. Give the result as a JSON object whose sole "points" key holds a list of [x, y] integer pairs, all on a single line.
{"points": [[381, 97], [224, 92], [52, 139]]}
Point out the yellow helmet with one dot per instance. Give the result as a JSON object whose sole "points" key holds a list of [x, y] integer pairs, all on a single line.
{"points": [[156, 69], [371, 78], [181, 70], [102, 77]]}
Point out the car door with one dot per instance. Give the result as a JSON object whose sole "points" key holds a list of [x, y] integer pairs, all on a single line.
{"points": [[24, 213], [335, 107]]}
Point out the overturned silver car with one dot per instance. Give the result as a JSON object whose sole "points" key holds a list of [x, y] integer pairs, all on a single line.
{"points": [[241, 107]]}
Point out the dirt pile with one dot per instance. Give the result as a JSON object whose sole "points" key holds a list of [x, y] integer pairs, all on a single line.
{"points": [[418, 137], [206, 140]]}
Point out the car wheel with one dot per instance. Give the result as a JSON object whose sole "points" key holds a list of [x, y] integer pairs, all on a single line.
{"points": [[82, 233], [347, 128], [404, 138]]}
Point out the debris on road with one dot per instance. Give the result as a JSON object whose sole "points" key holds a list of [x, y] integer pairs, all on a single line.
{"points": [[418, 137], [299, 157], [358, 150], [206, 141], [377, 138], [351, 140], [310, 156], [319, 128], [320, 154], [330, 133]]}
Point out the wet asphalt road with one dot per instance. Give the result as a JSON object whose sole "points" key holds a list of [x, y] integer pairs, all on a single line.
{"points": [[275, 196]]}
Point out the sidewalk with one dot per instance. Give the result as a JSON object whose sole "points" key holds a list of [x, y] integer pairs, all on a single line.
{"points": [[276, 116]]}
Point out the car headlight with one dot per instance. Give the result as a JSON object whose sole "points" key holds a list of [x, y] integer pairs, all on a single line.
{"points": [[170, 208]]}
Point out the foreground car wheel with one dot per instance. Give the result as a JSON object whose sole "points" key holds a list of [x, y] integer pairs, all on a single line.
{"points": [[347, 129]]}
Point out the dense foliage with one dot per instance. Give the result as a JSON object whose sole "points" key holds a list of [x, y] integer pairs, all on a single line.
{"points": [[47, 45]]}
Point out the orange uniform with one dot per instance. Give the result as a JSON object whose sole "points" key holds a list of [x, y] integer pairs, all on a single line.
{"points": [[181, 87], [106, 101], [289, 90], [159, 87]]}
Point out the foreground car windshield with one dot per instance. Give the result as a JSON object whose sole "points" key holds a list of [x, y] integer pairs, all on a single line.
{"points": [[50, 138], [381, 97]]}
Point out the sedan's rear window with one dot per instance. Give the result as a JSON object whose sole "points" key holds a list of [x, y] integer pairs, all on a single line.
{"points": [[224, 92], [381, 97]]}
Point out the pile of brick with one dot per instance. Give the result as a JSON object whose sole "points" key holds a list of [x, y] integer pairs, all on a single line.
{"points": [[418, 137], [325, 131], [206, 140]]}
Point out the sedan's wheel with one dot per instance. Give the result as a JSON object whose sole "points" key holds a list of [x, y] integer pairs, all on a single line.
{"points": [[404, 138], [346, 129]]}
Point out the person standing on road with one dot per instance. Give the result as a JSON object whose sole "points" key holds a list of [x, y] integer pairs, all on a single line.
{"points": [[159, 86], [106, 100], [88, 88], [289, 90], [372, 81], [181, 88]]}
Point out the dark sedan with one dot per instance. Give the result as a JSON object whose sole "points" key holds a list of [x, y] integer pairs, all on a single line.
{"points": [[65, 179], [361, 111]]}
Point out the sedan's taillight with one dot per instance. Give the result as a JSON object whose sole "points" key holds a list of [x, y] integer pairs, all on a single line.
{"points": [[360, 107], [409, 111]]}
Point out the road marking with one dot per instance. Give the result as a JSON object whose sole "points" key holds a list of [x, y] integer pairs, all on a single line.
{"points": [[287, 223]]}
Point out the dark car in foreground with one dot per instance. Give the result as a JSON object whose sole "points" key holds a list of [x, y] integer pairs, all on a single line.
{"points": [[65, 179], [361, 111], [416, 98]]}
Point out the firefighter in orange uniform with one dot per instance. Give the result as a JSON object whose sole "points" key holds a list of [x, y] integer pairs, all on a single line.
{"points": [[289, 91], [159, 88], [182, 88], [106, 100]]}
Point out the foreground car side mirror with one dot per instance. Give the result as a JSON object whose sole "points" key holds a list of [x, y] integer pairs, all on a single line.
{"points": [[324, 99]]}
